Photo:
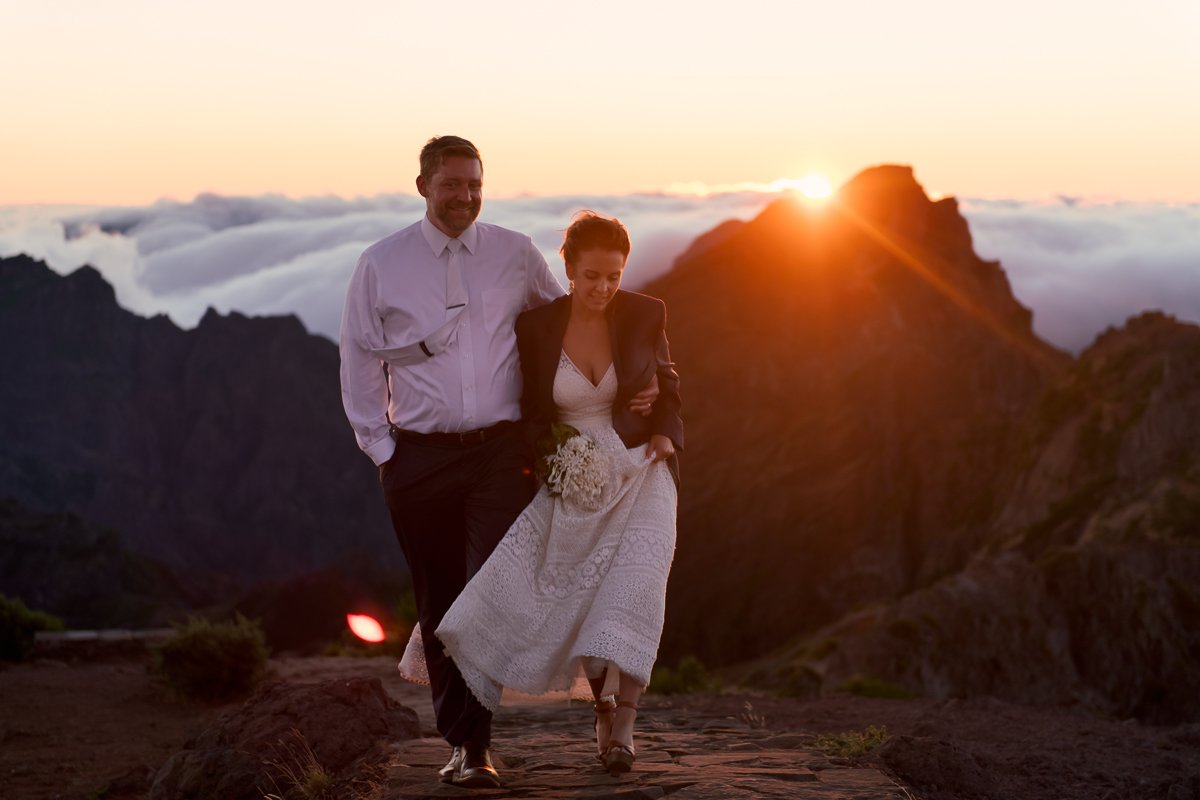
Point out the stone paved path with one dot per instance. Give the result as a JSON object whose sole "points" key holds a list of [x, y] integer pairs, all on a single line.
{"points": [[545, 751]]}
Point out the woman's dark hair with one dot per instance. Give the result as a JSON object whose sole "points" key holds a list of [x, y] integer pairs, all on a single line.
{"points": [[592, 231]]}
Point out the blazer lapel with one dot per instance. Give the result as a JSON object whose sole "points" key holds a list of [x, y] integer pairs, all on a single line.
{"points": [[552, 345], [633, 370], [614, 340]]}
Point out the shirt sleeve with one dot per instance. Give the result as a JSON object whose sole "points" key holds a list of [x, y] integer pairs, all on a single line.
{"points": [[540, 284], [364, 381]]}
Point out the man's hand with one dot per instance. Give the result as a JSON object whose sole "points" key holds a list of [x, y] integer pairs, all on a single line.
{"points": [[644, 400], [660, 448]]}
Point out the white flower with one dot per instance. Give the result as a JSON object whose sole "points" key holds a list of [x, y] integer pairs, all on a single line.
{"points": [[578, 472]]}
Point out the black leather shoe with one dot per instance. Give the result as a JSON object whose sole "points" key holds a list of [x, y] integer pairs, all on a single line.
{"points": [[475, 770], [447, 772]]}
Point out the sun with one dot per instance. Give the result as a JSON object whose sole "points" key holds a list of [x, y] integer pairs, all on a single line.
{"points": [[813, 187]]}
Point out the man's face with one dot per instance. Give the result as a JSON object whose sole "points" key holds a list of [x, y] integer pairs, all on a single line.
{"points": [[454, 195]]}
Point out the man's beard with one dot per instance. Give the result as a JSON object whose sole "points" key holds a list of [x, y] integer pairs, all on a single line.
{"points": [[453, 220]]}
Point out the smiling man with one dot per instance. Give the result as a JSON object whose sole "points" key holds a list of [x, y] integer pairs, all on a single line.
{"points": [[432, 388]]}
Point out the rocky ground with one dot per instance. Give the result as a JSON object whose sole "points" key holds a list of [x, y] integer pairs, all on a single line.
{"points": [[100, 728]]}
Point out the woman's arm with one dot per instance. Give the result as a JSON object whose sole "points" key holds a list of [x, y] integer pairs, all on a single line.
{"points": [[665, 416]]}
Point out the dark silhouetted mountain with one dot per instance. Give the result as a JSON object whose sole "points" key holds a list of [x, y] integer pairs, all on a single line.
{"points": [[852, 375], [222, 449], [79, 571], [890, 477]]}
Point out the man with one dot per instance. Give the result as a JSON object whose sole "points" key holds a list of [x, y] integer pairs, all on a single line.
{"points": [[431, 386]]}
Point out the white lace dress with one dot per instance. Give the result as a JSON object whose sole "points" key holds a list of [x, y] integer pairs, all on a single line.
{"points": [[568, 590]]}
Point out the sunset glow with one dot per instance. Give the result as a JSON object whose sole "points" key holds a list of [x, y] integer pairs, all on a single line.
{"points": [[125, 102], [814, 187], [366, 628]]}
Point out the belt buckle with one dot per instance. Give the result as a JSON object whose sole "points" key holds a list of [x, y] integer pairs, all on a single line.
{"points": [[465, 437]]}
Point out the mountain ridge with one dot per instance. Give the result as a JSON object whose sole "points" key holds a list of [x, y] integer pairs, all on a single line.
{"points": [[230, 436], [864, 399], [888, 476]]}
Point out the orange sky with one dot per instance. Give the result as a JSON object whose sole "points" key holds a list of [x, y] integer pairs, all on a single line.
{"points": [[127, 102]]}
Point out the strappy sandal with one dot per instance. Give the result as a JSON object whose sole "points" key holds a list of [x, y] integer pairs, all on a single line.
{"points": [[604, 709], [618, 758]]}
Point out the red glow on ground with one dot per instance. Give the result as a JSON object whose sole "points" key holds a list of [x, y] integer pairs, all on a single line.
{"points": [[365, 628]]}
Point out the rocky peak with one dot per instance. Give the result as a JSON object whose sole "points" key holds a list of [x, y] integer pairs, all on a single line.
{"points": [[852, 374], [1121, 427]]}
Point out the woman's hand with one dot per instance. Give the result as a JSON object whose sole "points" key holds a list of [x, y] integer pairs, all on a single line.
{"points": [[643, 402], [660, 448]]}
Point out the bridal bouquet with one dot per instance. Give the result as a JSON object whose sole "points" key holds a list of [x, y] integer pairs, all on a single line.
{"points": [[576, 468]]}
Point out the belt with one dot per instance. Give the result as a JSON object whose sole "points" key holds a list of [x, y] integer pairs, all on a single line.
{"points": [[459, 439]]}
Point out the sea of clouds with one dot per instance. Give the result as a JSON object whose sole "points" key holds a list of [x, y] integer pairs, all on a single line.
{"points": [[1080, 266]]}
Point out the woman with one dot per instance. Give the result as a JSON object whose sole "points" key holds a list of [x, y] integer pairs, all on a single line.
{"points": [[582, 586]]}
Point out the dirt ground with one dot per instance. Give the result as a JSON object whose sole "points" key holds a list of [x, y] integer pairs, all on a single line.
{"points": [[97, 727]]}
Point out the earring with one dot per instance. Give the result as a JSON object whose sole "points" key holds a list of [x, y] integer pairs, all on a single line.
{"points": [[571, 287]]}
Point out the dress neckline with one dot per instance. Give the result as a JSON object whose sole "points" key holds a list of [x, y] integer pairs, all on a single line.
{"points": [[581, 374]]}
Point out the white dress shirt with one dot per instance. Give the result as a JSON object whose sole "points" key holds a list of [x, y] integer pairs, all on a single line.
{"points": [[397, 297]]}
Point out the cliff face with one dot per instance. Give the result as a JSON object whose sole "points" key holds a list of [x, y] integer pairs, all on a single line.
{"points": [[222, 449], [1085, 592], [853, 375]]}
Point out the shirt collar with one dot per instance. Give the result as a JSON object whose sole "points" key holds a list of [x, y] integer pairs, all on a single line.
{"points": [[437, 240]]}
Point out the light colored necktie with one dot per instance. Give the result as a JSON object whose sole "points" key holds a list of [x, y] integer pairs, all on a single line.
{"points": [[440, 339], [456, 291]]}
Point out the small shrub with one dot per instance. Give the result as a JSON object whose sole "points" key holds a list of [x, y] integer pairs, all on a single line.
{"points": [[798, 681], [213, 661], [303, 776], [689, 677], [819, 650], [874, 687], [852, 744], [18, 625]]}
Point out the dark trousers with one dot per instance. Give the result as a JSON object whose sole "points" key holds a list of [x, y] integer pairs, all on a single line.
{"points": [[450, 507]]}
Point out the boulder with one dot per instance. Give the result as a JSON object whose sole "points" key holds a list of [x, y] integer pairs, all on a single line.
{"points": [[285, 735]]}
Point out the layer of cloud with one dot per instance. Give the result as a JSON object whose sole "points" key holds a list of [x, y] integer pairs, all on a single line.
{"points": [[274, 255], [1084, 267], [1081, 267]]}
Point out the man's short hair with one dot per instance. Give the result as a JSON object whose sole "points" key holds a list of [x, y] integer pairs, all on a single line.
{"points": [[439, 148]]}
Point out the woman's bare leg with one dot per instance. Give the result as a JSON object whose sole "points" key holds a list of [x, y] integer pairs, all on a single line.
{"points": [[604, 715], [625, 716]]}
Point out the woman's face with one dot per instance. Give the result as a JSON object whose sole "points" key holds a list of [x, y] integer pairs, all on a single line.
{"points": [[596, 275]]}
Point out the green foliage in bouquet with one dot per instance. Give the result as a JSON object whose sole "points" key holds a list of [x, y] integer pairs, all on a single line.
{"points": [[213, 661], [547, 447], [18, 625]]}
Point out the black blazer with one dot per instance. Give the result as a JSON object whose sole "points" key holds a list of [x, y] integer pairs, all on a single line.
{"points": [[637, 327]]}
